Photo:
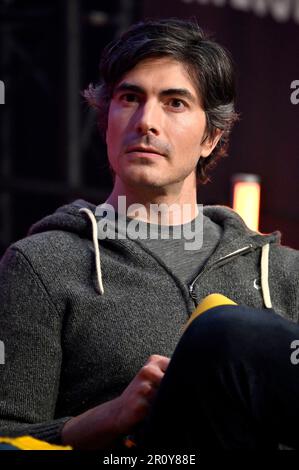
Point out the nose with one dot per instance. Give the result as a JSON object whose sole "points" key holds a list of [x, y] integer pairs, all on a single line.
{"points": [[148, 119]]}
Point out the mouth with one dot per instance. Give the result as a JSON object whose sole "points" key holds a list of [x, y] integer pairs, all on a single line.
{"points": [[148, 151]]}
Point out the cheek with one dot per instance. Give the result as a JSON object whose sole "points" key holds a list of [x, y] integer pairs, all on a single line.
{"points": [[113, 132], [117, 125], [187, 137], [112, 142]]}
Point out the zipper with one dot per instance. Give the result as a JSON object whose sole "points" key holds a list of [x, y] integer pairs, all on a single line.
{"points": [[242, 251]]}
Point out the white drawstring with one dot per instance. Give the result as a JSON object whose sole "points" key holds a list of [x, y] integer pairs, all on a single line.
{"points": [[96, 247], [265, 275], [264, 261]]}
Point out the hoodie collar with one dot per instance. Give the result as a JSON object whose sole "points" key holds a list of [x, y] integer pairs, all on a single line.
{"points": [[69, 218], [79, 217]]}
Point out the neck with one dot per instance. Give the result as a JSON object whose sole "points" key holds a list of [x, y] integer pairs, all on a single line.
{"points": [[167, 206]]}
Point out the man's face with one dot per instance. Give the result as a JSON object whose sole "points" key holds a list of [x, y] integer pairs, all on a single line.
{"points": [[156, 125]]}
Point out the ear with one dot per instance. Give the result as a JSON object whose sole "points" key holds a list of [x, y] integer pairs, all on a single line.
{"points": [[210, 143]]}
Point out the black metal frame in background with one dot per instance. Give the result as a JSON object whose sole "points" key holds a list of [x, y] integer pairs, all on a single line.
{"points": [[78, 126]]}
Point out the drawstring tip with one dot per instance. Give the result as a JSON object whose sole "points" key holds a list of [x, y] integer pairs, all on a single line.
{"points": [[100, 290]]}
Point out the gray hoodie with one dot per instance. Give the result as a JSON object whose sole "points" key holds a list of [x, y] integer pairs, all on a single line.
{"points": [[79, 317]]}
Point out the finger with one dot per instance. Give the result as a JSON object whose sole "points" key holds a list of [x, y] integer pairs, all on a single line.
{"points": [[151, 373], [148, 390], [161, 361]]}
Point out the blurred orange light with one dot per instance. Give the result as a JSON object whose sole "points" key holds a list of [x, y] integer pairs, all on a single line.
{"points": [[246, 199]]}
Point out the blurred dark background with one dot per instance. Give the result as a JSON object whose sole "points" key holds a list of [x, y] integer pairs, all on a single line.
{"points": [[50, 150]]}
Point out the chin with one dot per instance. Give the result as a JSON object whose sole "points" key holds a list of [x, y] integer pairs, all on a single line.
{"points": [[137, 178], [145, 183]]}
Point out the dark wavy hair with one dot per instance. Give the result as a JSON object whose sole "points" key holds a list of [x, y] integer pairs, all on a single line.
{"points": [[209, 66]]}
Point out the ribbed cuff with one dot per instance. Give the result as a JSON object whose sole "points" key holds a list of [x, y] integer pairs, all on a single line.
{"points": [[49, 431]]}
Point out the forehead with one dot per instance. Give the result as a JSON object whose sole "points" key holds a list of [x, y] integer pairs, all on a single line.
{"points": [[156, 74]]}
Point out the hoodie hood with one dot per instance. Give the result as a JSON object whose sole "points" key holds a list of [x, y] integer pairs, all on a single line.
{"points": [[79, 217], [66, 218]]}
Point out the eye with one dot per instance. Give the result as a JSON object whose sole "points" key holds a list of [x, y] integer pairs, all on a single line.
{"points": [[177, 103], [129, 98]]}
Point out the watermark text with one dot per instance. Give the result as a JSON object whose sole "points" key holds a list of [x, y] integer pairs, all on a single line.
{"points": [[2, 92], [294, 357], [2, 353], [295, 94], [156, 221]]}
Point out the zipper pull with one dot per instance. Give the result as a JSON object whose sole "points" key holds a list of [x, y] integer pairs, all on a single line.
{"points": [[235, 253], [191, 291]]}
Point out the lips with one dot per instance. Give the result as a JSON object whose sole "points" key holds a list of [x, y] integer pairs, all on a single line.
{"points": [[143, 150]]}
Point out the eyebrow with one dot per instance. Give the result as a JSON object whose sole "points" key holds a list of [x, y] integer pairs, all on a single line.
{"points": [[182, 92]]}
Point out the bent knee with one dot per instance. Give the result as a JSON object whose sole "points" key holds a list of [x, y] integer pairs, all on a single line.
{"points": [[229, 329]]}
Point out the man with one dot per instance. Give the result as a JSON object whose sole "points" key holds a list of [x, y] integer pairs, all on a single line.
{"points": [[89, 318]]}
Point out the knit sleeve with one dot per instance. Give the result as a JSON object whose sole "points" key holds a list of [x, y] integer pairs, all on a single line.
{"points": [[30, 353]]}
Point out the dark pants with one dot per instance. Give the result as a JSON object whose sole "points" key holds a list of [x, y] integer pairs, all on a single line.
{"points": [[230, 384]]}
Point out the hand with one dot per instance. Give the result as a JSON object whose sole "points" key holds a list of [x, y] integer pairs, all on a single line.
{"points": [[101, 426], [133, 404]]}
